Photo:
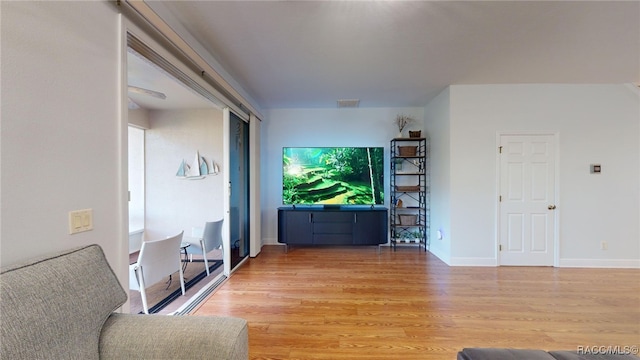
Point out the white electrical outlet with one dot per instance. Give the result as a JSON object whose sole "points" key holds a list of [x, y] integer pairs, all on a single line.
{"points": [[603, 245], [80, 220]]}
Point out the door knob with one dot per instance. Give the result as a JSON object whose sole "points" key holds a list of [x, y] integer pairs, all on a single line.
{"points": [[551, 207]]}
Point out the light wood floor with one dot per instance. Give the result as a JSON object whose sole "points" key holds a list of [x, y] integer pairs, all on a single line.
{"points": [[353, 303]]}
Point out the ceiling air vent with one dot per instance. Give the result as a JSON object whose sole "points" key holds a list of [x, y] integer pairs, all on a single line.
{"points": [[348, 103]]}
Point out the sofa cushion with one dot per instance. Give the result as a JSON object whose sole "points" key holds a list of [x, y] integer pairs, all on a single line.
{"points": [[54, 307], [502, 354]]}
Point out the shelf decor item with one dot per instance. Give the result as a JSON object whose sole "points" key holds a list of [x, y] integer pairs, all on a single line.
{"points": [[408, 219], [415, 134], [402, 121], [407, 150]]}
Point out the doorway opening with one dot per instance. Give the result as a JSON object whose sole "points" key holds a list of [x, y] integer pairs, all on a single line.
{"points": [[172, 125]]}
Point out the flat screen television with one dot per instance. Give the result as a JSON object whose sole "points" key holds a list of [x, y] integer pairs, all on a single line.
{"points": [[333, 175]]}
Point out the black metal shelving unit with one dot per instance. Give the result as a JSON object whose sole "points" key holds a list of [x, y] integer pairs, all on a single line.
{"points": [[410, 192]]}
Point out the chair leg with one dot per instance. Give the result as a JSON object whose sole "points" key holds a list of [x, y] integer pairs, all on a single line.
{"points": [[143, 294], [182, 280], [204, 256], [206, 262], [222, 252]]}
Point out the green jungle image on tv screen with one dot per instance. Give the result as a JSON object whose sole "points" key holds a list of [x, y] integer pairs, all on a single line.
{"points": [[333, 175]]}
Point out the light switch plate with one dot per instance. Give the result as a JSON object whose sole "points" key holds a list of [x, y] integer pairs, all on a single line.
{"points": [[80, 220]]}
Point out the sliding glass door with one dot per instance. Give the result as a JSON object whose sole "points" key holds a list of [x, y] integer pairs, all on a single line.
{"points": [[238, 189]]}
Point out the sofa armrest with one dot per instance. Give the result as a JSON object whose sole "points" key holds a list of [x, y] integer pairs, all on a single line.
{"points": [[128, 336]]}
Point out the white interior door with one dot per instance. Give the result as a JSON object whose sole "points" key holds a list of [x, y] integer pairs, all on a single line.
{"points": [[527, 218]]}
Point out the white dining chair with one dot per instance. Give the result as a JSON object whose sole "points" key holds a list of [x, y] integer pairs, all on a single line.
{"points": [[211, 239], [157, 260]]}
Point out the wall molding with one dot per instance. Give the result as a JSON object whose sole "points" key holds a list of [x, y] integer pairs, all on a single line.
{"points": [[563, 263], [600, 263]]}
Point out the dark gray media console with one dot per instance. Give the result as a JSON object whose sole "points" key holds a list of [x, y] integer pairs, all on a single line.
{"points": [[332, 225]]}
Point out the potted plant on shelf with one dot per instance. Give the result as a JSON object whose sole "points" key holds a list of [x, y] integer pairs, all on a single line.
{"points": [[409, 236], [402, 121]]}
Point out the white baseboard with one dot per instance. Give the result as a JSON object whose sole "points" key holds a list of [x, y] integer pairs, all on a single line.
{"points": [[270, 241], [575, 263], [600, 263], [440, 254]]}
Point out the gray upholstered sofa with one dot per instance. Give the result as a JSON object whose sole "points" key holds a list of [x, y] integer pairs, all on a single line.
{"points": [[62, 307], [525, 354]]}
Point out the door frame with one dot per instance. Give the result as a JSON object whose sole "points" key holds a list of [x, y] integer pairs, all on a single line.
{"points": [[131, 26], [556, 181], [137, 18]]}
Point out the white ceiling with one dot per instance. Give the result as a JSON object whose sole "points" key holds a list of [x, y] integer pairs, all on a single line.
{"points": [[304, 54], [144, 74]]}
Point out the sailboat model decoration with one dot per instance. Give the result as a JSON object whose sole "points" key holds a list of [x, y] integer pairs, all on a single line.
{"points": [[198, 170], [194, 170], [182, 170]]}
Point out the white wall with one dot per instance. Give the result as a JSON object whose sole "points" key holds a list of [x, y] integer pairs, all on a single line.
{"points": [[595, 123], [320, 127], [63, 140], [174, 204], [436, 127]]}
